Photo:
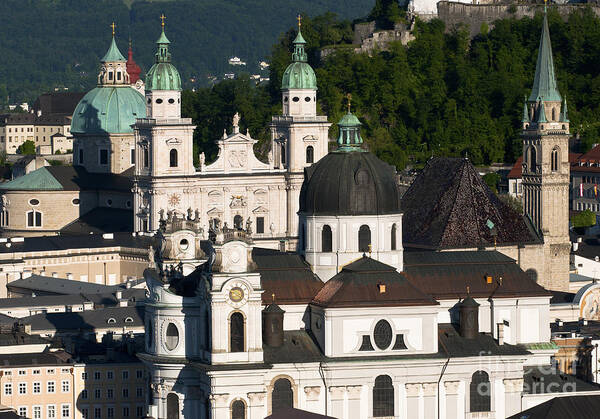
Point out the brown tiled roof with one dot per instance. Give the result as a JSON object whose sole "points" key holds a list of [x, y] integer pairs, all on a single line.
{"points": [[285, 275], [449, 206], [517, 169], [358, 285], [446, 275]]}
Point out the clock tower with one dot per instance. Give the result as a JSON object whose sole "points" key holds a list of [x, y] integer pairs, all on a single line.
{"points": [[164, 145]]}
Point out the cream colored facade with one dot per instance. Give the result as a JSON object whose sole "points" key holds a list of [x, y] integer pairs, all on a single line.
{"points": [[47, 389], [14, 134], [44, 133]]}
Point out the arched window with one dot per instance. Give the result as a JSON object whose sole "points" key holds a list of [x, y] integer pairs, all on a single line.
{"points": [[364, 238], [34, 218], [172, 337], [383, 397], [173, 158], [532, 159], [238, 222], [480, 392], [393, 241], [554, 160], [146, 158], [326, 239], [172, 406], [236, 332], [554, 114], [282, 153], [283, 395], [310, 154], [238, 410]]}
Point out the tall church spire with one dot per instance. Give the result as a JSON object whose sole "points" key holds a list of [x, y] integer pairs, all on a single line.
{"points": [[544, 83]]}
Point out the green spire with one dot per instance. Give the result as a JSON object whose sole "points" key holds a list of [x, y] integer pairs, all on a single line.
{"points": [[544, 83], [163, 75], [299, 74], [564, 113], [541, 117], [299, 55], [113, 54], [525, 113], [163, 55], [349, 138]]}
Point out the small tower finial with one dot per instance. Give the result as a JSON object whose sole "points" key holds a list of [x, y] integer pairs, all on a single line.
{"points": [[545, 6], [468, 290], [273, 297], [349, 97], [113, 26], [162, 20], [299, 19]]}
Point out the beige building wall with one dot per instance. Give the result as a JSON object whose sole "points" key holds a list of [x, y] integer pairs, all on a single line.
{"points": [[120, 387], [89, 151], [12, 136], [43, 388], [44, 133]]}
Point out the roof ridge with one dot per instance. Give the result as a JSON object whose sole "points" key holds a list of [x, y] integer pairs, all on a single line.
{"points": [[454, 200]]}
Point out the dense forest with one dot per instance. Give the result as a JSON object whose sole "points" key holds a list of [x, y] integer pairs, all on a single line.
{"points": [[57, 43], [443, 94]]}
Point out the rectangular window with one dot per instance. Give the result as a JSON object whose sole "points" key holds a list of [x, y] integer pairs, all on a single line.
{"points": [[110, 75], [109, 375], [125, 412], [37, 387], [139, 392], [8, 389], [50, 387], [260, 225], [23, 411], [84, 375], [65, 370], [51, 409], [80, 156], [97, 374], [50, 371], [139, 411], [85, 413], [110, 412], [97, 393], [22, 372], [104, 157], [66, 411], [84, 394], [97, 413], [66, 386], [35, 372], [22, 388], [125, 374], [133, 156], [125, 393], [4, 219], [118, 75], [37, 412], [146, 157], [139, 374], [34, 219], [109, 393]]}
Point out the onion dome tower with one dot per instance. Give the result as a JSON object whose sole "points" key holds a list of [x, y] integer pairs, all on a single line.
{"points": [[546, 169], [102, 124], [350, 206], [134, 71]]}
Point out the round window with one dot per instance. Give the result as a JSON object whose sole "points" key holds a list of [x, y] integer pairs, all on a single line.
{"points": [[34, 202], [285, 99], [109, 202], [382, 334], [184, 244], [159, 100], [307, 99], [128, 204], [172, 337], [75, 201], [171, 101], [296, 99]]}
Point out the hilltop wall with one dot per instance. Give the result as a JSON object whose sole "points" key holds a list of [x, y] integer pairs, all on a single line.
{"points": [[474, 15]]}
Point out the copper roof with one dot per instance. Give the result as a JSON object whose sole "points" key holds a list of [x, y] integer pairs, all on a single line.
{"points": [[369, 283]]}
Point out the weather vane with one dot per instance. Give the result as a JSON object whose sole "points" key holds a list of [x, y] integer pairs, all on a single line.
{"points": [[113, 26], [299, 18], [162, 20], [349, 97]]}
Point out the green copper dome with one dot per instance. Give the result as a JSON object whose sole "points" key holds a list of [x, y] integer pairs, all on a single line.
{"points": [[108, 109], [163, 75], [349, 138], [113, 54], [299, 74]]}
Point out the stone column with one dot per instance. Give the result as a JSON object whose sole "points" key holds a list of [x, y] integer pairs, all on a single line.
{"points": [[512, 395], [413, 391], [312, 398], [256, 405], [452, 399], [429, 399], [337, 395], [219, 407], [354, 394]]}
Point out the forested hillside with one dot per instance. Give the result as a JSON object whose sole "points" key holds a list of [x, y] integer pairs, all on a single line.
{"points": [[443, 94], [51, 43]]}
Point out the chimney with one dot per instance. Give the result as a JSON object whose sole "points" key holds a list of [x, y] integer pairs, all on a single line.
{"points": [[119, 295], [272, 325], [469, 318]]}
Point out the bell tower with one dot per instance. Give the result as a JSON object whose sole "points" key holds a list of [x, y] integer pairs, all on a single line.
{"points": [[546, 168]]}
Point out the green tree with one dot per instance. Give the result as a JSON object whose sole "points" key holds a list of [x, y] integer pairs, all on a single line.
{"points": [[583, 219], [28, 147], [492, 179]]}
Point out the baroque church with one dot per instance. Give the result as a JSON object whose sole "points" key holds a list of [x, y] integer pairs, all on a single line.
{"points": [[414, 306]]}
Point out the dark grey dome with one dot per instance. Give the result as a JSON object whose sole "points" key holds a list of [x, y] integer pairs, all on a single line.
{"points": [[350, 183]]}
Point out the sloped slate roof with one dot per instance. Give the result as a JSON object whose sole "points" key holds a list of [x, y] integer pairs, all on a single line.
{"points": [[449, 206], [50, 285], [38, 180], [57, 102], [286, 275], [292, 413], [358, 285], [445, 275], [87, 320], [101, 220], [571, 407]]}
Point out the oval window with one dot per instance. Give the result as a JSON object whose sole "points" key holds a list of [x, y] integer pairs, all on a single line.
{"points": [[296, 99], [285, 99], [184, 244], [382, 334], [128, 204], [171, 101], [149, 100], [159, 100], [109, 202], [307, 99], [75, 201], [34, 202], [172, 337]]}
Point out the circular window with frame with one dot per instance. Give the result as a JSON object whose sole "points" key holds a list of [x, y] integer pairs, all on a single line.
{"points": [[382, 334], [34, 202]]}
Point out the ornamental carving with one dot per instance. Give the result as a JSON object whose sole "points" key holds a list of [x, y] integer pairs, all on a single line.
{"points": [[237, 201], [237, 158]]}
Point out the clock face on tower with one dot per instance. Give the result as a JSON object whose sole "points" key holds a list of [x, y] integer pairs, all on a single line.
{"points": [[236, 294]]}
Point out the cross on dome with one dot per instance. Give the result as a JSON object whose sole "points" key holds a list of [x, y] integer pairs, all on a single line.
{"points": [[113, 26], [162, 20]]}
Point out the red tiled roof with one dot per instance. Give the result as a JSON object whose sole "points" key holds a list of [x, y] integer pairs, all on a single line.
{"points": [[515, 172]]}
